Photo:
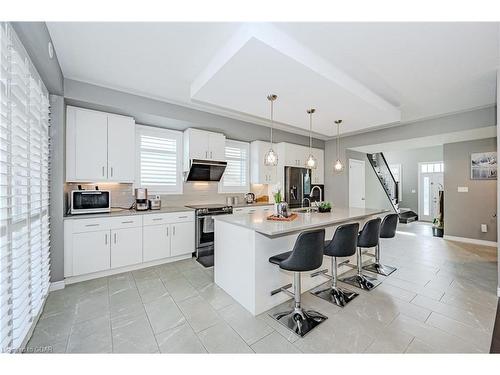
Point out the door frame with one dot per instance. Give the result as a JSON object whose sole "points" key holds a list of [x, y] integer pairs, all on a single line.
{"points": [[360, 162], [419, 180]]}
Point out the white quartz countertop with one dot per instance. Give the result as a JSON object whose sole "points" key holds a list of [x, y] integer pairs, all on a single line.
{"points": [[259, 223], [124, 212], [255, 204]]}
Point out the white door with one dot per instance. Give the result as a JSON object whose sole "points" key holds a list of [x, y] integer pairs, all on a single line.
{"points": [[91, 252], [183, 237], [91, 145], [121, 146], [126, 247], [156, 242], [429, 185], [356, 183], [216, 146]]}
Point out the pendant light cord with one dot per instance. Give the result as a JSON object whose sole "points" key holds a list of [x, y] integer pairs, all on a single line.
{"points": [[272, 121], [338, 141], [310, 132]]}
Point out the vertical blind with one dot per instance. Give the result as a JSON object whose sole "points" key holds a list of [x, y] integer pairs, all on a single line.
{"points": [[24, 192], [236, 175], [159, 157]]}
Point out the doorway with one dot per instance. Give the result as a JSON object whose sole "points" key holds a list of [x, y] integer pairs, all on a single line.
{"points": [[430, 182], [356, 183]]}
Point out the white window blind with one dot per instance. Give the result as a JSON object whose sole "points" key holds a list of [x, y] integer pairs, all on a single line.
{"points": [[24, 192], [159, 158], [237, 175]]}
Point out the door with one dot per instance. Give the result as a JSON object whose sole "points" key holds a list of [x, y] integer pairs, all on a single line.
{"points": [[216, 146], [430, 182], [91, 252], [121, 143], [91, 145], [182, 239], [156, 242], [356, 183], [126, 247]]}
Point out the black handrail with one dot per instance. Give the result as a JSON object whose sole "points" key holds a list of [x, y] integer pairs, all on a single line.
{"points": [[374, 157]]}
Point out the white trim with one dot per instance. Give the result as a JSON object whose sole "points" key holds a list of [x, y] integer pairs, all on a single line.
{"points": [[236, 189], [498, 291], [57, 285], [470, 240], [114, 271]]}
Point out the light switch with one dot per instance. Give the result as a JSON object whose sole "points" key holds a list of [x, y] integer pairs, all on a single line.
{"points": [[413, 191], [484, 228], [463, 189]]}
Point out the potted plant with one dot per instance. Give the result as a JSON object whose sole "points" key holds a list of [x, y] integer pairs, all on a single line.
{"points": [[325, 207], [279, 205], [437, 227]]}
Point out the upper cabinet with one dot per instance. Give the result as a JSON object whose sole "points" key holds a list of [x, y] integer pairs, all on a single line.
{"points": [[260, 173], [99, 146], [200, 144], [318, 174]]}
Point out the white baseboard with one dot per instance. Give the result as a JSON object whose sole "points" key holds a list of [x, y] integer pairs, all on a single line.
{"points": [[470, 240], [56, 285]]}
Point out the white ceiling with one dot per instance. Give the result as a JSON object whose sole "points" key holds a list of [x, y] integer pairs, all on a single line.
{"points": [[368, 74]]}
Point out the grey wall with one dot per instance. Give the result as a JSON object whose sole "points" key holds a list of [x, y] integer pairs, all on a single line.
{"points": [[409, 160], [465, 212], [35, 38]]}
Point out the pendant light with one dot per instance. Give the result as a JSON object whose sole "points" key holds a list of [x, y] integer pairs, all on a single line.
{"points": [[311, 162], [271, 157], [338, 167]]}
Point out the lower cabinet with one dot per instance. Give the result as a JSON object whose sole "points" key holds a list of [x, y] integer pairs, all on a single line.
{"points": [[182, 238], [156, 243], [91, 252], [126, 247]]}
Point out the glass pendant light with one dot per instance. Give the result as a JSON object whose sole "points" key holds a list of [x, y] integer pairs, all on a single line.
{"points": [[311, 162], [271, 157], [338, 166]]}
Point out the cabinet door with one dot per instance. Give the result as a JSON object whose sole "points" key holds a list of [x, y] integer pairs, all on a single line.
{"points": [[91, 145], [156, 242], [198, 144], [182, 238], [318, 174], [126, 247], [91, 252], [121, 146], [216, 146]]}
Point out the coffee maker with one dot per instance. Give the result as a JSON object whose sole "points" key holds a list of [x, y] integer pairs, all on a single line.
{"points": [[141, 199]]}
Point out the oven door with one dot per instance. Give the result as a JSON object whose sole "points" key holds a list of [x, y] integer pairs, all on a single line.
{"points": [[204, 231]]}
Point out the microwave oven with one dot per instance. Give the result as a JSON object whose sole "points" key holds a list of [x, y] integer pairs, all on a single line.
{"points": [[90, 201]]}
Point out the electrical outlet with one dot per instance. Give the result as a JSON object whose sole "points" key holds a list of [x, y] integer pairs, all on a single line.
{"points": [[484, 228], [463, 189]]}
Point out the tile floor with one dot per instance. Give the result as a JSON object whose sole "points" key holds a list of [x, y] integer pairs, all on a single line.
{"points": [[441, 299]]}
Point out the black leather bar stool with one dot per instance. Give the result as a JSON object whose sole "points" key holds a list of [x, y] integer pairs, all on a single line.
{"points": [[307, 255], [343, 244], [387, 230], [368, 237]]}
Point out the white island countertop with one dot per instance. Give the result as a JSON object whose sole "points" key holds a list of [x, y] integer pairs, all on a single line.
{"points": [[259, 223]]}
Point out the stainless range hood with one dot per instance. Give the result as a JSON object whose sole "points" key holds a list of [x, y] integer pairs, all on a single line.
{"points": [[205, 170]]}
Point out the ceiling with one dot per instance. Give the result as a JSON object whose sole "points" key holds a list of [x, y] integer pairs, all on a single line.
{"points": [[369, 75]]}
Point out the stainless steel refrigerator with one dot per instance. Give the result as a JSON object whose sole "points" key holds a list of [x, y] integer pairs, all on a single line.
{"points": [[297, 186]]}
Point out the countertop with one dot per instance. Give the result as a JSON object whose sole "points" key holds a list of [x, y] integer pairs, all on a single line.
{"points": [[259, 223], [256, 204], [124, 212]]}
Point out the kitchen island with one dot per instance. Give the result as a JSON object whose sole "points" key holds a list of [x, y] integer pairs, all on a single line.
{"points": [[244, 244]]}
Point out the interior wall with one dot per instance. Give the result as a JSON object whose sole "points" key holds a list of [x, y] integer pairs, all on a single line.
{"points": [[465, 212], [409, 160]]}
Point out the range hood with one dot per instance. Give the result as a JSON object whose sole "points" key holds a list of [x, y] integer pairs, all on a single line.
{"points": [[205, 170]]}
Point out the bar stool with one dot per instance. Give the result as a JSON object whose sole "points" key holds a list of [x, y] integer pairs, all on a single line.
{"points": [[343, 244], [387, 230], [307, 255], [368, 237]]}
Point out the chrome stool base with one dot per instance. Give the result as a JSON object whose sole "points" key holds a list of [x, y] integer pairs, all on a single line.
{"points": [[300, 321], [337, 296], [362, 281], [380, 269]]}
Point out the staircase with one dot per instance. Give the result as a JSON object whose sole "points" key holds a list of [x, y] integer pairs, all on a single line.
{"points": [[383, 172]]}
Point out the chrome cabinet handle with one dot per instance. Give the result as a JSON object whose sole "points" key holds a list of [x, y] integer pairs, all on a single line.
{"points": [[206, 154], [127, 222], [106, 239], [115, 238], [111, 171], [103, 171], [167, 231], [158, 219], [211, 155], [91, 225], [181, 217], [173, 230]]}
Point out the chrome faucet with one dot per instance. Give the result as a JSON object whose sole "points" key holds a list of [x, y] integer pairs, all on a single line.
{"points": [[320, 192], [302, 203]]}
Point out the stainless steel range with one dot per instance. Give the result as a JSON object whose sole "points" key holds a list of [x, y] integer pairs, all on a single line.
{"points": [[205, 230]]}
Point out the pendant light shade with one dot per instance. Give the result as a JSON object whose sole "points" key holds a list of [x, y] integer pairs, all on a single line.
{"points": [[338, 166], [311, 161], [271, 157]]}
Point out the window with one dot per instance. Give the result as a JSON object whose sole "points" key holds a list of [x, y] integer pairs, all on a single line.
{"points": [[236, 176], [434, 167], [159, 160], [24, 192]]}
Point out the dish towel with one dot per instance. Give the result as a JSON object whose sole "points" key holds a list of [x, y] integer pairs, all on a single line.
{"points": [[208, 225]]}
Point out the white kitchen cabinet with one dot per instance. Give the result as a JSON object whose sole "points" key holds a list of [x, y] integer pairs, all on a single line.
{"points": [[295, 155], [253, 209], [200, 144], [156, 242], [99, 146], [259, 172], [182, 240], [91, 252], [216, 146], [121, 146], [126, 247]]}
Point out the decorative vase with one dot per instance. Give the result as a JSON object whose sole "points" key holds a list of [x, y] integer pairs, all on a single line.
{"points": [[324, 209], [437, 232]]}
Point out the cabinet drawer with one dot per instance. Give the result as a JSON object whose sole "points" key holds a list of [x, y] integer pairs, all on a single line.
{"points": [[126, 222], [91, 225], [174, 217]]}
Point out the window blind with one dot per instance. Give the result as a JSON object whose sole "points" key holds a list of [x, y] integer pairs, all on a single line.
{"points": [[236, 175], [159, 157], [24, 192]]}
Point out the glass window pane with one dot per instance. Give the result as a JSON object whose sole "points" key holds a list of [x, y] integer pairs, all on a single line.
{"points": [[424, 168], [430, 168], [437, 167], [426, 202]]}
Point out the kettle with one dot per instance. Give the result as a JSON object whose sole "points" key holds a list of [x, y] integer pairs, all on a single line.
{"points": [[249, 198]]}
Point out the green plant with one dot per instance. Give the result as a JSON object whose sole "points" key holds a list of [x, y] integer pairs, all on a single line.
{"points": [[277, 196], [325, 205], [437, 222]]}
